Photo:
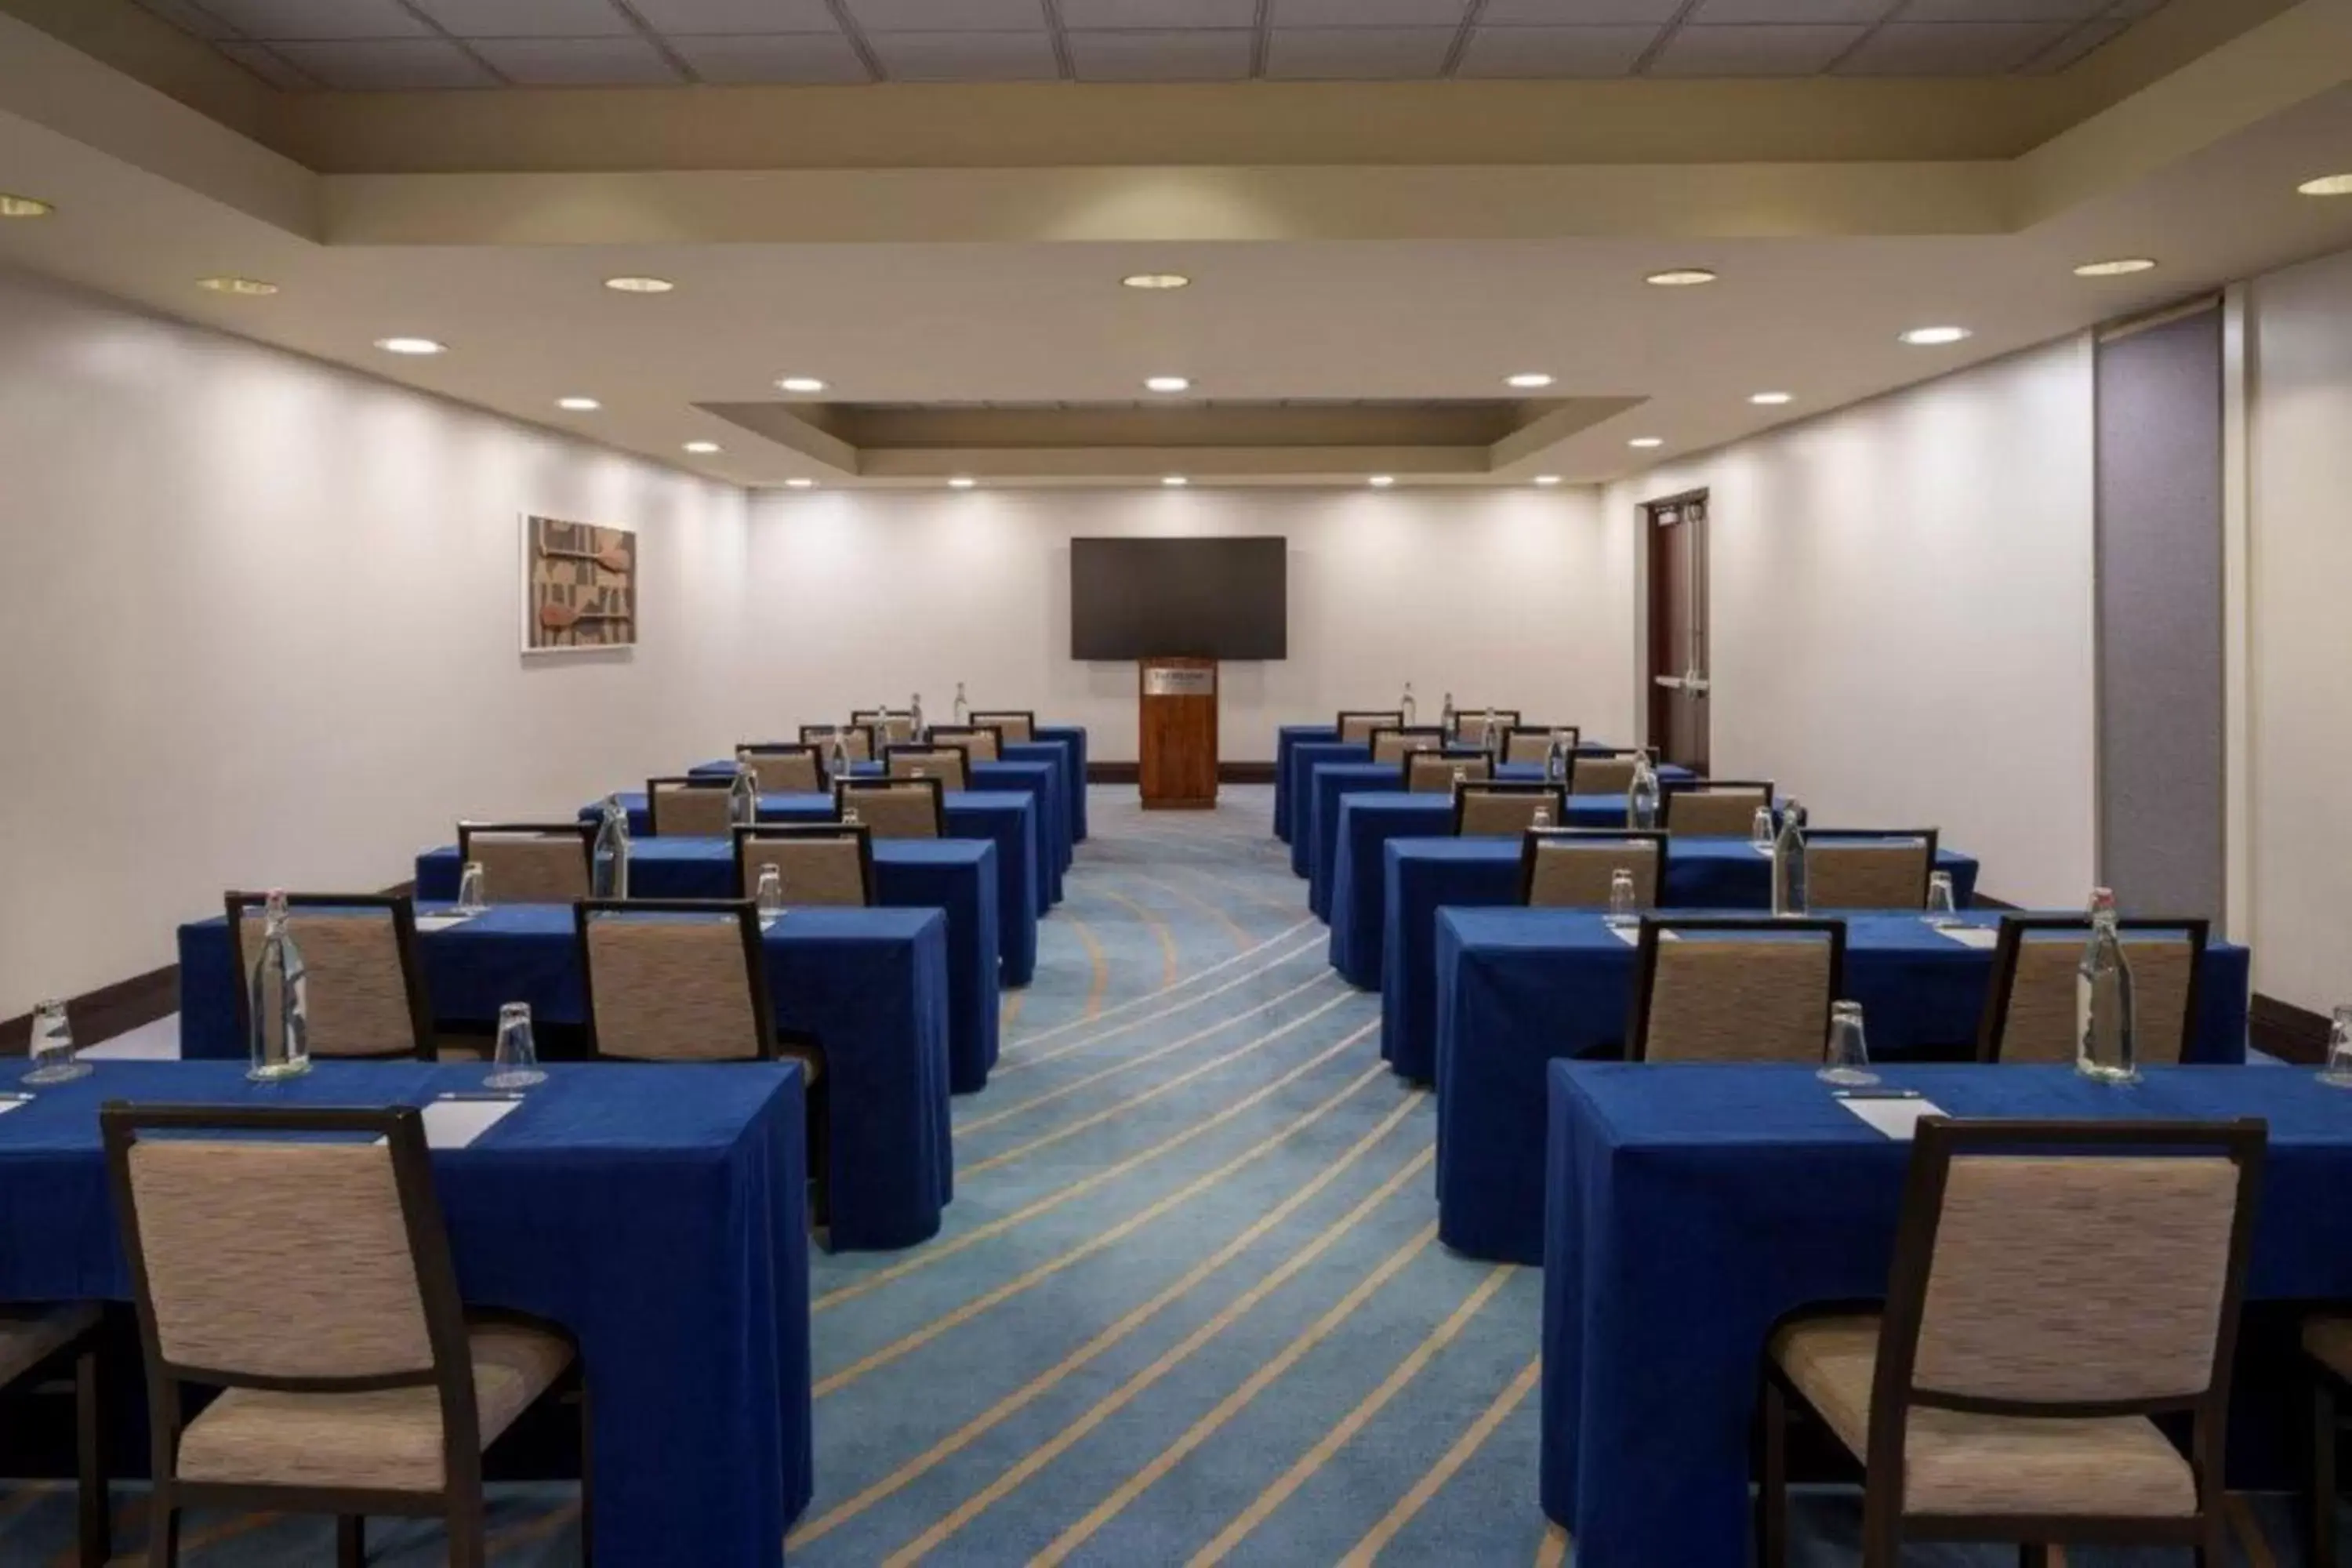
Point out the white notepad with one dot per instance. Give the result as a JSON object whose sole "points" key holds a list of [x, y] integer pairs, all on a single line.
{"points": [[1971, 936], [440, 923], [1631, 935], [1763, 849], [456, 1123], [12, 1102], [1898, 1118]]}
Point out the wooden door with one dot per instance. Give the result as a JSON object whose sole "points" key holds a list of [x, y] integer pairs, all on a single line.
{"points": [[1678, 688]]}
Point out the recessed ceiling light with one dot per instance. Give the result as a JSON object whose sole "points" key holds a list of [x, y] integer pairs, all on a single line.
{"points": [[579, 404], [1646, 442], [962, 482], [410, 346], [702, 448], [801, 383], [245, 287], [1529, 380], [800, 484], [2121, 266], [1931, 337], [1769, 399], [2328, 185], [1169, 383], [1382, 482], [1680, 278], [1156, 280], [639, 285], [1175, 481], [23, 206], [1547, 479]]}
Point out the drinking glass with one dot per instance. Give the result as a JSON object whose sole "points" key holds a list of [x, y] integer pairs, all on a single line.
{"points": [[771, 894], [1761, 832], [516, 1063], [849, 817], [470, 900], [1625, 906], [53, 1047], [1943, 905], [2338, 1070], [1542, 817], [1845, 1059]]}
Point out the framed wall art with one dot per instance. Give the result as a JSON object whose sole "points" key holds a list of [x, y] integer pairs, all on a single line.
{"points": [[580, 586]]}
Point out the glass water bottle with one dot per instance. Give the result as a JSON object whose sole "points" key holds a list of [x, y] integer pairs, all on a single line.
{"points": [[279, 1011], [609, 865], [1789, 862], [2104, 1045], [1641, 794]]}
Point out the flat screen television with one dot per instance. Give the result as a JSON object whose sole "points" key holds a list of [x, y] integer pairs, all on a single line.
{"points": [[1202, 597]]}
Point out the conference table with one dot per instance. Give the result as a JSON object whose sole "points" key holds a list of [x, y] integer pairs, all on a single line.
{"points": [[658, 1214], [1288, 738], [1005, 819], [954, 876], [870, 984], [1692, 1209], [1518, 988], [1070, 741]]}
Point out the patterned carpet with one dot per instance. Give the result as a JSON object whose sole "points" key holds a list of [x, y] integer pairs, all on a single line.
{"points": [[1189, 1305]]}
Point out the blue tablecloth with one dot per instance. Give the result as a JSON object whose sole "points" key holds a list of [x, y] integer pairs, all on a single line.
{"points": [[1305, 756], [655, 1214], [871, 984], [956, 876], [1287, 740], [1517, 988], [1072, 739], [1421, 875], [1005, 819], [1359, 821], [1692, 1207]]}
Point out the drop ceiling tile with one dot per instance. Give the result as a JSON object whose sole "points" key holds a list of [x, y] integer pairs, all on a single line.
{"points": [[1199, 54], [774, 57], [190, 18], [2004, 10], [966, 57], [1951, 49], [1358, 54], [1554, 52], [1577, 12], [527, 18], [949, 16], [1730, 12], [745, 17], [268, 64], [1088, 16], [578, 62], [1753, 51], [319, 18], [1367, 13], [387, 64], [2073, 46]]}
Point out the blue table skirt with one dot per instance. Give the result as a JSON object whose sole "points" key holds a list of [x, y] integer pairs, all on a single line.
{"points": [[655, 1214], [1287, 740], [1005, 819], [1519, 988], [1692, 1207], [1363, 821], [1072, 739], [871, 984], [1306, 757], [956, 876], [1424, 875]]}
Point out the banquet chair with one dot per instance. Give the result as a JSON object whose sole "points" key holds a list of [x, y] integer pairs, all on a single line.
{"points": [[795, 767], [894, 808], [857, 740], [2029, 1012], [947, 765], [2007, 1390], [1532, 743], [1393, 744], [46, 1346], [691, 806], [1713, 809], [1489, 807], [364, 991], [1868, 868], [531, 862], [296, 1259], [1572, 868], [1602, 772], [1356, 726], [1469, 719], [891, 726], [1722, 989], [1016, 726], [2327, 1358], [979, 742], [826, 863], [1437, 772]]}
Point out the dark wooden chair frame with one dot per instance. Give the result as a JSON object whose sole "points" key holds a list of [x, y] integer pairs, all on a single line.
{"points": [[2328, 1389], [459, 1502], [1491, 785], [956, 734], [786, 831], [1390, 719], [2015, 929], [747, 921], [1435, 734], [1646, 960], [1458, 753], [891, 754], [1885, 1526], [995, 719], [77, 1360], [1535, 837], [1544, 733], [677, 782], [585, 832], [821, 737], [756, 749], [846, 791], [1669, 789], [400, 907], [1809, 837]]}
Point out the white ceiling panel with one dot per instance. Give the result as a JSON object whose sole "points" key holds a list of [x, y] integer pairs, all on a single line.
{"points": [[578, 62], [2073, 46], [1555, 52], [1577, 12], [966, 57], [319, 18], [743, 17], [1166, 15], [1754, 51], [387, 65], [269, 65], [1127, 55], [949, 16], [1368, 54], [528, 19], [1367, 13], [2003, 10], [783, 57], [1790, 12], [1951, 49], [190, 17]]}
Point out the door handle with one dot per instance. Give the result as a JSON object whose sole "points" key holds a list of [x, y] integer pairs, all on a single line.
{"points": [[1695, 684], [1671, 682]]}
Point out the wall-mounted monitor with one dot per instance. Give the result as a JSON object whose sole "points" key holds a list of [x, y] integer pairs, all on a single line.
{"points": [[1200, 597]]}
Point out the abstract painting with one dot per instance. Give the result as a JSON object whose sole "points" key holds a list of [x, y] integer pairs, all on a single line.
{"points": [[580, 586]]}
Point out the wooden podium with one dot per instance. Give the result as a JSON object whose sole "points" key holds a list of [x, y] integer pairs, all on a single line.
{"points": [[1176, 718]]}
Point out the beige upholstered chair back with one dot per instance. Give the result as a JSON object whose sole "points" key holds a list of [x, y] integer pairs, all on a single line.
{"points": [[1866, 874], [1392, 746], [2041, 1025], [356, 989], [900, 812], [532, 868], [898, 728], [1427, 771], [977, 742], [788, 772], [1575, 873], [1533, 745], [1019, 728], [278, 1257], [945, 763], [2077, 1279], [692, 811], [1470, 724], [1356, 729], [671, 988], [1601, 775], [1733, 997], [855, 740], [1507, 812], [1707, 812], [815, 870]]}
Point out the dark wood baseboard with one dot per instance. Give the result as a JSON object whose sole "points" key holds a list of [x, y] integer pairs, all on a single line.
{"points": [[2284, 1030], [1227, 773], [108, 1011]]}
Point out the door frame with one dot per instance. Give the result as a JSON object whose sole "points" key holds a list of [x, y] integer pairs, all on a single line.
{"points": [[1652, 702]]}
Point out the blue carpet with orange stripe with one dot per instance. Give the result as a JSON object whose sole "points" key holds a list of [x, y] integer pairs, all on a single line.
{"points": [[1189, 1305]]}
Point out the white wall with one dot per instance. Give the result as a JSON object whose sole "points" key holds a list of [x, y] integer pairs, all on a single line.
{"points": [[1516, 597], [259, 624], [1901, 614]]}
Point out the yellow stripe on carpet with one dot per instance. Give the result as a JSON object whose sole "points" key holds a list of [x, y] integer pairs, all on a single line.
{"points": [[1375, 1539]]}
